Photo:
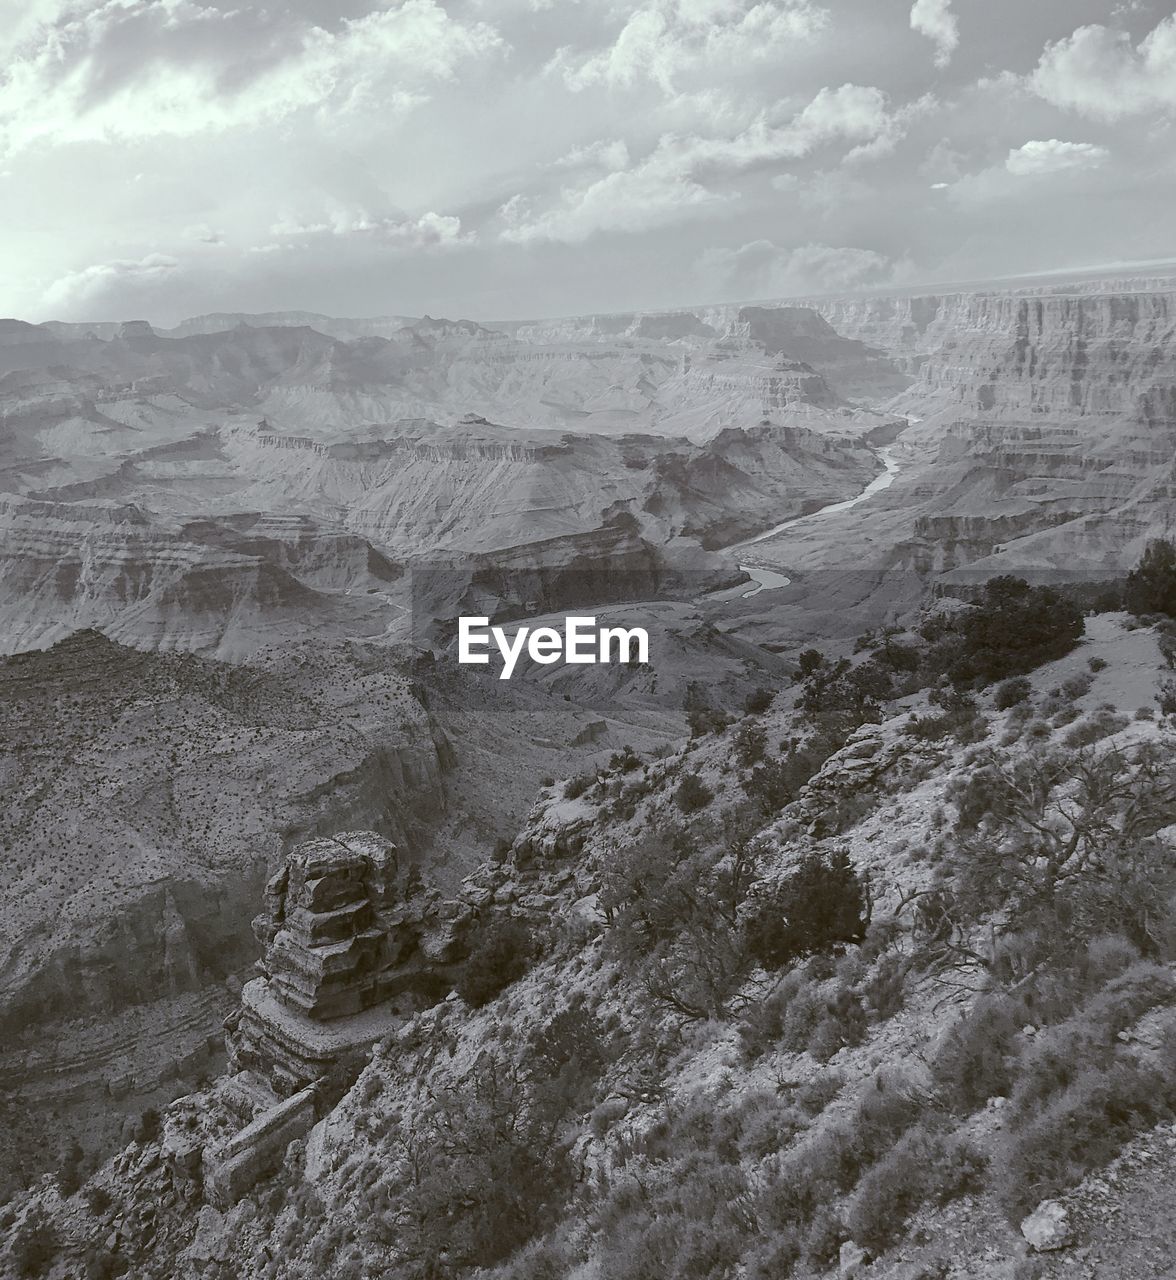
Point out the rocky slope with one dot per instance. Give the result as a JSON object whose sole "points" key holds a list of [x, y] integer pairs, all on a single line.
{"points": [[910, 1101], [150, 795], [146, 797]]}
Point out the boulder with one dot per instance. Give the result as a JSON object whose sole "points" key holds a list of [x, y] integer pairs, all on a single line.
{"points": [[211, 1242], [1048, 1227], [852, 1258]]}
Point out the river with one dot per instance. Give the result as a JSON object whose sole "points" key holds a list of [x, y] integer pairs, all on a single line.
{"points": [[770, 580]]}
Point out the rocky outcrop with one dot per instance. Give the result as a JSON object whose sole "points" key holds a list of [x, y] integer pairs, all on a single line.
{"points": [[329, 947], [235, 1166], [341, 964], [858, 370], [1048, 1227]]}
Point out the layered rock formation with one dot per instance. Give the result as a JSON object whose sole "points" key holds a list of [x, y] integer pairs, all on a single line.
{"points": [[1043, 436], [342, 969], [337, 942], [219, 589]]}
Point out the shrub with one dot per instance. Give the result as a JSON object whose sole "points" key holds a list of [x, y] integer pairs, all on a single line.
{"points": [[885, 988], [809, 661], [575, 787], [770, 786], [1014, 628], [774, 1257], [34, 1245], [1166, 697], [98, 1199], [479, 1171], [762, 1022], [1151, 585], [823, 1242], [147, 1130], [975, 1061], [920, 1167], [804, 1014], [1080, 1130], [889, 1193], [692, 794], [1011, 693], [819, 905], [757, 702], [750, 741], [1094, 728], [843, 1025], [500, 954], [701, 716], [766, 1126]]}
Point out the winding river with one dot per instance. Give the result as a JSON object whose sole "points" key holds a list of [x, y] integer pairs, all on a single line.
{"points": [[768, 579]]}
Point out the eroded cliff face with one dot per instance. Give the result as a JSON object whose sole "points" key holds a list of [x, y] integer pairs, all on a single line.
{"points": [[1042, 434], [153, 791], [477, 486], [149, 797], [1054, 356], [1014, 328], [221, 588]]}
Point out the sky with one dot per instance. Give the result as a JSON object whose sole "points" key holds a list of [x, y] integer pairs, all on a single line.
{"points": [[501, 159]]}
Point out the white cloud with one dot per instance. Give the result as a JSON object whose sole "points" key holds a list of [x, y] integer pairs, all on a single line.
{"points": [[664, 40], [1098, 72], [429, 231], [176, 68], [678, 179], [762, 269], [1051, 156], [90, 285], [653, 193], [935, 20], [204, 234], [605, 154]]}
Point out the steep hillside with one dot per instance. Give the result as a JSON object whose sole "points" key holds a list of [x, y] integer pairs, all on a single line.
{"points": [[150, 795], [878, 976]]}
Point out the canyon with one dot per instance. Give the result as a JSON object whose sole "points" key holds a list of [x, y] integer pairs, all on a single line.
{"points": [[232, 555]]}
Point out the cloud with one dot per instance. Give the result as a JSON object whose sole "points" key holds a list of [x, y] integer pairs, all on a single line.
{"points": [[1052, 156], [91, 286], [935, 20], [1098, 72], [762, 269], [429, 231], [610, 154], [204, 234], [651, 194], [681, 177], [663, 41], [177, 68]]}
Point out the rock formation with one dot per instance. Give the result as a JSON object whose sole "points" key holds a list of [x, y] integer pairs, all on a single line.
{"points": [[341, 964]]}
